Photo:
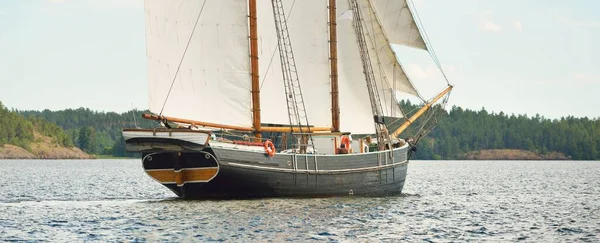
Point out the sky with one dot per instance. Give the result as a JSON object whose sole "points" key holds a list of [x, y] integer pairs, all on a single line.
{"points": [[516, 56]]}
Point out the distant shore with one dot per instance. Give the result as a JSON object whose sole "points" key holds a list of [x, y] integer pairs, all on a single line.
{"points": [[43, 150], [511, 154]]}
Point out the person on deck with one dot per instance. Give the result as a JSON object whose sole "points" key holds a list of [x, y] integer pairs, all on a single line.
{"points": [[342, 149]]}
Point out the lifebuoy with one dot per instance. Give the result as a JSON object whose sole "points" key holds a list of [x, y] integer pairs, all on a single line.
{"points": [[269, 148], [346, 141]]}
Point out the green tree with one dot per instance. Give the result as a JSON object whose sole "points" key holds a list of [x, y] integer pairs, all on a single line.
{"points": [[87, 139]]}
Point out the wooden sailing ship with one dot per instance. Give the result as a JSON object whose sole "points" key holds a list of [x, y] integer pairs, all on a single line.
{"points": [[256, 98]]}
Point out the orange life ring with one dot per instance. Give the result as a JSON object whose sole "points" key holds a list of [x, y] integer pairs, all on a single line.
{"points": [[269, 148], [346, 141]]}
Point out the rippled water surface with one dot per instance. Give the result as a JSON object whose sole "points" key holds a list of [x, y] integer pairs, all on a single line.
{"points": [[113, 200]]}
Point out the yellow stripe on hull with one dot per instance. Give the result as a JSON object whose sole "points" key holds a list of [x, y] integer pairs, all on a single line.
{"points": [[180, 177]]}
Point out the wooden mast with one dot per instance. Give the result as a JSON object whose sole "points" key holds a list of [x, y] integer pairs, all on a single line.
{"points": [[254, 67], [335, 105], [420, 112]]}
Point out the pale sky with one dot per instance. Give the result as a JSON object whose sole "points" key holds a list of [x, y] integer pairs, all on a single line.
{"points": [[515, 56]]}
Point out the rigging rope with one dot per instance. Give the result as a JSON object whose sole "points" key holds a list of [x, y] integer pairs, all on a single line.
{"points": [[400, 64], [422, 132], [182, 57], [427, 41], [276, 49]]}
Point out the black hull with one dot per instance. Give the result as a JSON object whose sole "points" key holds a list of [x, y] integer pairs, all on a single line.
{"points": [[278, 176], [235, 182]]}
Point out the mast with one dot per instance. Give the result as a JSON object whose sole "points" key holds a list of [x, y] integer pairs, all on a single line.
{"points": [[335, 108], [254, 69]]}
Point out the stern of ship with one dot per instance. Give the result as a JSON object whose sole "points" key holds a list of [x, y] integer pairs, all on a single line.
{"points": [[179, 159]]}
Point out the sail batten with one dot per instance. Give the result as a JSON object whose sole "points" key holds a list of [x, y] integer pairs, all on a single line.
{"points": [[213, 84]]}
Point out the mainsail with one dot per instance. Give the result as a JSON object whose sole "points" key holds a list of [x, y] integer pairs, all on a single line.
{"points": [[356, 115], [309, 38], [214, 74]]}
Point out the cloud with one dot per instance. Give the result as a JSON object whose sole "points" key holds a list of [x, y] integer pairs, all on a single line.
{"points": [[545, 82], [586, 77], [485, 21], [578, 22], [419, 3], [428, 73], [487, 13], [489, 26], [449, 68], [115, 3], [518, 25], [416, 71]]}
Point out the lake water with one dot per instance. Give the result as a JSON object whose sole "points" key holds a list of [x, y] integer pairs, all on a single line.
{"points": [[113, 200]]}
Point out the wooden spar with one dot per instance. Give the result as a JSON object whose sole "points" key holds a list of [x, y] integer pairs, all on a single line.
{"points": [[295, 129], [230, 127], [420, 112], [254, 66], [335, 107], [195, 123]]}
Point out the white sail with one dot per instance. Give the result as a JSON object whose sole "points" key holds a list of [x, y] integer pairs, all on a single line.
{"points": [[213, 84], [389, 74], [356, 115], [355, 108], [310, 43], [272, 92], [398, 23]]}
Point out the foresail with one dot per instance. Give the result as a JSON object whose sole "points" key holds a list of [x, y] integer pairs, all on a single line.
{"points": [[213, 84], [398, 22], [309, 40], [356, 115], [386, 69]]}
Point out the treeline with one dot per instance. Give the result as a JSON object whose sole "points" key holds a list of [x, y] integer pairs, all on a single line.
{"points": [[458, 131], [462, 130], [92, 131], [20, 131]]}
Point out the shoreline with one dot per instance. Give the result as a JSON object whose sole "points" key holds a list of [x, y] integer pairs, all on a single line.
{"points": [[47, 151]]}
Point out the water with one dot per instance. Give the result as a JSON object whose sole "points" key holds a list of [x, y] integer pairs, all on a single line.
{"points": [[113, 200]]}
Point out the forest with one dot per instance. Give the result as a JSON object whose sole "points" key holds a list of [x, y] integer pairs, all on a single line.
{"points": [[18, 130], [462, 130], [92, 131], [458, 131]]}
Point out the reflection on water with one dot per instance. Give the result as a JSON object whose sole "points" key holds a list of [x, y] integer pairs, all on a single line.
{"points": [[109, 200]]}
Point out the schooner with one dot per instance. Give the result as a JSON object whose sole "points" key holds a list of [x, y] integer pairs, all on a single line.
{"points": [[267, 98]]}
